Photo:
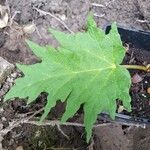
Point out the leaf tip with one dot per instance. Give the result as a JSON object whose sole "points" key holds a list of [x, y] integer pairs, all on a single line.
{"points": [[88, 139], [42, 118], [129, 109], [114, 26], [29, 42], [90, 21]]}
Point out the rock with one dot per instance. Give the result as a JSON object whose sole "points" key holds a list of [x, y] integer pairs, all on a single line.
{"points": [[5, 69]]}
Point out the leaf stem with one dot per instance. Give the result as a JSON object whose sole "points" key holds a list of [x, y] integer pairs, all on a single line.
{"points": [[138, 67]]}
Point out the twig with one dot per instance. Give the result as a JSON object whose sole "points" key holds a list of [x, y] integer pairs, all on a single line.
{"points": [[26, 120], [100, 16], [142, 21], [56, 122], [37, 31], [37, 112], [97, 5], [101, 5], [14, 15], [58, 19], [17, 123], [62, 132]]}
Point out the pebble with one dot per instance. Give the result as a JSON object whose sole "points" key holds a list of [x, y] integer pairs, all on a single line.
{"points": [[14, 75], [4, 119], [144, 95]]}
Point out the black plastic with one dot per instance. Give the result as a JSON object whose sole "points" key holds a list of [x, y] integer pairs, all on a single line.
{"points": [[137, 39]]}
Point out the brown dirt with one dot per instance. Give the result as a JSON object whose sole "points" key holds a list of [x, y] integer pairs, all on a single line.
{"points": [[129, 13], [140, 98]]}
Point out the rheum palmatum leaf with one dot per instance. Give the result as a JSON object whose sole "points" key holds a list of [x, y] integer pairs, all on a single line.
{"points": [[85, 69]]}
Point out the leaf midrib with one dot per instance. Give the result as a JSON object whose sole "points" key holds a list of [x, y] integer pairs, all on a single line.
{"points": [[71, 73]]}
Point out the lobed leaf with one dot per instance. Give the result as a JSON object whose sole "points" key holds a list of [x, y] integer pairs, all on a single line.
{"points": [[85, 69]]}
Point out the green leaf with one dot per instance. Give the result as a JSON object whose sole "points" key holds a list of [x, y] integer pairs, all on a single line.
{"points": [[85, 69]]}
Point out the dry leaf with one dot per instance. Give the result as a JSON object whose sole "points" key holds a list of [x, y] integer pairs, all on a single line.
{"points": [[4, 17]]}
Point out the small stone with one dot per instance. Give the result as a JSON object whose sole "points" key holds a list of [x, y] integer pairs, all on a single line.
{"points": [[63, 17], [3, 119], [144, 95], [5, 69], [14, 75]]}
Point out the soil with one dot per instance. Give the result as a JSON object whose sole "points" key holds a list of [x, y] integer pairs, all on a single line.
{"points": [[112, 136], [140, 97]]}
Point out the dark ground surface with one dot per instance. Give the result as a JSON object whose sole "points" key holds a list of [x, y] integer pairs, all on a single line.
{"points": [[129, 13]]}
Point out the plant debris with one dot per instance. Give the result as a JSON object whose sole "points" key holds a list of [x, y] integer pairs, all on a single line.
{"points": [[3, 17]]}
